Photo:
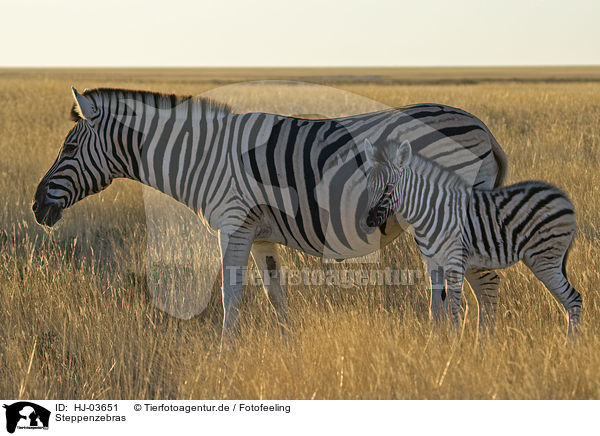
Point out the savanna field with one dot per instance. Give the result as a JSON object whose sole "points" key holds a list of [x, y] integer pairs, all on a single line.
{"points": [[78, 319]]}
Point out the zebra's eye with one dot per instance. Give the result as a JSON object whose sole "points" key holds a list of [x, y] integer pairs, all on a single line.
{"points": [[389, 188], [69, 148]]}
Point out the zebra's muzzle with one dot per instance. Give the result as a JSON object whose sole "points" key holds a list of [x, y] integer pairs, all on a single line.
{"points": [[377, 217], [46, 212], [371, 219]]}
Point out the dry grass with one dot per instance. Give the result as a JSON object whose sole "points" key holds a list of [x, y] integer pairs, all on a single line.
{"points": [[77, 319]]}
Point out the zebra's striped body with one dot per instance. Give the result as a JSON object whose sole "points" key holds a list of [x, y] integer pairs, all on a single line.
{"points": [[258, 178], [458, 228]]}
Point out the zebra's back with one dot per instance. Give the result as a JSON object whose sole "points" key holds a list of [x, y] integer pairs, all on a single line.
{"points": [[520, 221]]}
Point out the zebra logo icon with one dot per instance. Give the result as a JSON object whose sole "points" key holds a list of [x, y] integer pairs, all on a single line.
{"points": [[26, 415]]}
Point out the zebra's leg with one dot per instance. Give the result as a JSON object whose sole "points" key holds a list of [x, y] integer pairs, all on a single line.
{"points": [[235, 252], [485, 284], [268, 263], [551, 271], [455, 275], [438, 291]]}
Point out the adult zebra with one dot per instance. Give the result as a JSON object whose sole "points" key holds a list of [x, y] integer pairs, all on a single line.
{"points": [[458, 227], [260, 179]]}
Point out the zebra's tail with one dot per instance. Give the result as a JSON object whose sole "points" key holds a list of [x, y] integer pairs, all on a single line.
{"points": [[501, 162], [564, 261]]}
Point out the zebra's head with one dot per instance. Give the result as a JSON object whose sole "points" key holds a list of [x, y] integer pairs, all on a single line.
{"points": [[81, 168], [386, 167]]}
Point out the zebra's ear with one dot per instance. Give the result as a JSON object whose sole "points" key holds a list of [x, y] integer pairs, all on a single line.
{"points": [[84, 105], [369, 150], [403, 154]]}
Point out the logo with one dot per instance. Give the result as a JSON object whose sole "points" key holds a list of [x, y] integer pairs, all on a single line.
{"points": [[26, 415]]}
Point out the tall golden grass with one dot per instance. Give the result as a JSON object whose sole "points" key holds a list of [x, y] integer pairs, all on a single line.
{"points": [[77, 319]]}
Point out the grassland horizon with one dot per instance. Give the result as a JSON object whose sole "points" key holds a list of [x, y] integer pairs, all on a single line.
{"points": [[78, 320]]}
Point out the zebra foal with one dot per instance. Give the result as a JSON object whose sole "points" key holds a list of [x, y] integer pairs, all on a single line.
{"points": [[458, 228]]}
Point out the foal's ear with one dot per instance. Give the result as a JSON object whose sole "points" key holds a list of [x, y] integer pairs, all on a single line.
{"points": [[402, 154], [369, 150]]}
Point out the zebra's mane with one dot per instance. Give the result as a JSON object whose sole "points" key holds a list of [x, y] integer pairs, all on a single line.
{"points": [[156, 99]]}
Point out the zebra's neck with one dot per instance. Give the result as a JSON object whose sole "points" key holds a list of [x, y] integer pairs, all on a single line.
{"points": [[426, 189], [161, 140], [172, 147]]}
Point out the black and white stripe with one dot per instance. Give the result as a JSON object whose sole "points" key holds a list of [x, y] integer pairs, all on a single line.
{"points": [[458, 228], [256, 177]]}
